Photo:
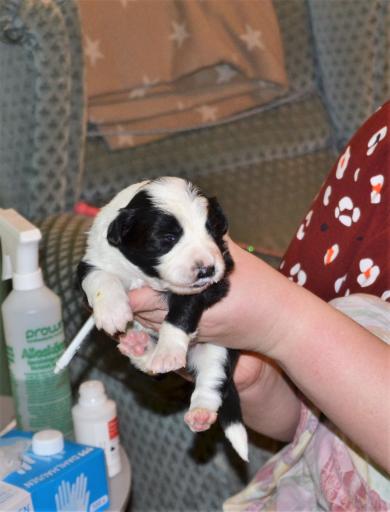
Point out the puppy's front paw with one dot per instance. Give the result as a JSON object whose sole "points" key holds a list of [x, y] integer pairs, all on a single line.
{"points": [[112, 312], [135, 343]]}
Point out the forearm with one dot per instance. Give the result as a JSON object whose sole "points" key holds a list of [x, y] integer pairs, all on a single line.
{"points": [[339, 366], [270, 405]]}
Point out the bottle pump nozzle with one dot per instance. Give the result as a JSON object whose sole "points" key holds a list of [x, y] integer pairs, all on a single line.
{"points": [[19, 242]]}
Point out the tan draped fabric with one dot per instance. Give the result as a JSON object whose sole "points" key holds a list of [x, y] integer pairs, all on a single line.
{"points": [[155, 67]]}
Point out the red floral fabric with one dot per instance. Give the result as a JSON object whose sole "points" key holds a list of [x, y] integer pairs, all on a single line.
{"points": [[343, 243]]}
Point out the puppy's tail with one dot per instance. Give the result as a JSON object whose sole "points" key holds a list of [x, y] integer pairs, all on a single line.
{"points": [[230, 416]]}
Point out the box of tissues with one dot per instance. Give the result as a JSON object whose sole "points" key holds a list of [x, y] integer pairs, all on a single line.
{"points": [[41, 472]]}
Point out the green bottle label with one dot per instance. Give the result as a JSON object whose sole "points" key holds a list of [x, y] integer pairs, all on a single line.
{"points": [[43, 399]]}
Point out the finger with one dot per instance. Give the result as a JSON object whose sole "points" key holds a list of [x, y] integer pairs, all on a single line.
{"points": [[248, 370], [145, 299], [155, 317], [148, 324]]}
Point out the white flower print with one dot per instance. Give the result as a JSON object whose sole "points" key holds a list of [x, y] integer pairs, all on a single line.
{"points": [[377, 185], [339, 283], [305, 224], [298, 275], [351, 213], [331, 254], [343, 163], [385, 295], [368, 272], [327, 194], [375, 139], [356, 175]]}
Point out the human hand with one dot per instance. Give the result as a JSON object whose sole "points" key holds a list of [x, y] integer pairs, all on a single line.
{"points": [[245, 319], [242, 320]]}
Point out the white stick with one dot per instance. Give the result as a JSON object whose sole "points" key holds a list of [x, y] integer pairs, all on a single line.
{"points": [[64, 360]]}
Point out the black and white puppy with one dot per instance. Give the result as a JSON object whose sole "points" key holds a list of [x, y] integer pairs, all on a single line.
{"points": [[167, 235]]}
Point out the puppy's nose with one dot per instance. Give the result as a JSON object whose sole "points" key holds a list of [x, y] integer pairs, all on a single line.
{"points": [[206, 271]]}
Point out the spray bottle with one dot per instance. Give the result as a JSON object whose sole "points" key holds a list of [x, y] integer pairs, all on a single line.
{"points": [[33, 332]]}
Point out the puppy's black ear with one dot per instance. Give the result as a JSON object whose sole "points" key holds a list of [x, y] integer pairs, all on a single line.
{"points": [[120, 227], [217, 222]]}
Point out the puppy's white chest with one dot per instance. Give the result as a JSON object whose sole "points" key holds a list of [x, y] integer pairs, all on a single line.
{"points": [[136, 283]]}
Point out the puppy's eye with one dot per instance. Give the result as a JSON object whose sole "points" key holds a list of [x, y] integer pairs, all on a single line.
{"points": [[169, 237]]}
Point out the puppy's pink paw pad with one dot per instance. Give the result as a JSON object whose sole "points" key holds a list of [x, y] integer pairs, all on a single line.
{"points": [[199, 419], [134, 343]]}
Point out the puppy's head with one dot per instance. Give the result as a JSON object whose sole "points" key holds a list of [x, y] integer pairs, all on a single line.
{"points": [[174, 233]]}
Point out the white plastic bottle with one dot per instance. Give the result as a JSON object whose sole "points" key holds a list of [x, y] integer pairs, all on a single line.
{"points": [[95, 423], [33, 332]]}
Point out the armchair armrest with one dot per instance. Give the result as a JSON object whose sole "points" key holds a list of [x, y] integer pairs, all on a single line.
{"points": [[41, 93]]}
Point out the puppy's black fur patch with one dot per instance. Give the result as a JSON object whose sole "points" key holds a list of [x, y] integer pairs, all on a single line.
{"points": [[143, 233]]}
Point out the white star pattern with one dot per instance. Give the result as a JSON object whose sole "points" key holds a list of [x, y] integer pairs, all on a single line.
{"points": [[149, 82], [179, 34], [140, 92], [125, 2], [225, 73], [209, 114], [124, 139], [252, 38], [92, 50]]}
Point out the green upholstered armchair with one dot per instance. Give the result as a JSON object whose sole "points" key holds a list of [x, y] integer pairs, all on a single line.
{"points": [[265, 169]]}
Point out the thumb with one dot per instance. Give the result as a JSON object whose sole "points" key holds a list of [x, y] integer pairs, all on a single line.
{"points": [[145, 299]]}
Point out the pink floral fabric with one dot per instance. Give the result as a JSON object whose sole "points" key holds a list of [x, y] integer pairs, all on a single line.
{"points": [[320, 470]]}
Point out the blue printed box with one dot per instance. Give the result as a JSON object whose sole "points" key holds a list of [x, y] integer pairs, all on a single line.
{"points": [[73, 479]]}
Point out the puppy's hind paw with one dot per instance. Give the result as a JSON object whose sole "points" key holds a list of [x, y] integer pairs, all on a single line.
{"points": [[199, 419], [164, 361]]}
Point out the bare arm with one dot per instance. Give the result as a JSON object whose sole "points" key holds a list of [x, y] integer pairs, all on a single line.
{"points": [[269, 402], [340, 367], [336, 363]]}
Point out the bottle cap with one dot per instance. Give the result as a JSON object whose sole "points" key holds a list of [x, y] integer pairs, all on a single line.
{"points": [[20, 244], [47, 442], [92, 393]]}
